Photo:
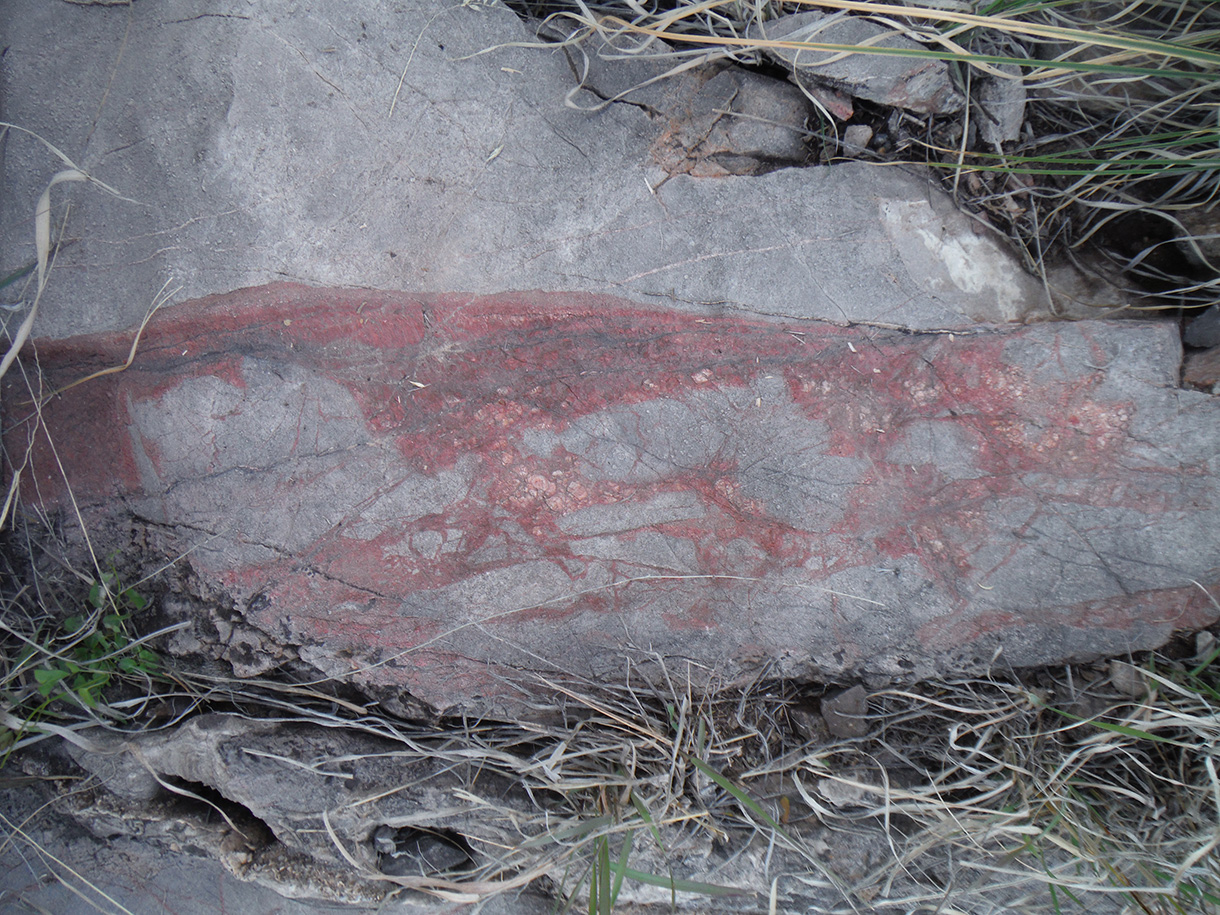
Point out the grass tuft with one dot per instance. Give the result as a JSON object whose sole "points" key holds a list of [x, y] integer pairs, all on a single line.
{"points": [[1116, 163], [1091, 788]]}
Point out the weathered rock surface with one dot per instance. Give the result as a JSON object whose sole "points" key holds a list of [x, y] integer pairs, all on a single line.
{"points": [[174, 854], [55, 866], [290, 781], [260, 144], [312, 795], [452, 497], [915, 83], [845, 712]]}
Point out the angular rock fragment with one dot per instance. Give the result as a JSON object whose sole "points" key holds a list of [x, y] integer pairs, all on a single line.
{"points": [[914, 83], [1128, 679], [1002, 104], [856, 139], [459, 500], [330, 808], [710, 120], [730, 121], [845, 711], [1203, 330], [1202, 370]]}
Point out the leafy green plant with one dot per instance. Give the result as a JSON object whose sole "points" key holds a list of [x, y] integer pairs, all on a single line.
{"points": [[68, 669], [98, 650]]}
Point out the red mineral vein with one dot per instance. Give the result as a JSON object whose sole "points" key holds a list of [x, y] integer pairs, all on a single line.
{"points": [[592, 440]]}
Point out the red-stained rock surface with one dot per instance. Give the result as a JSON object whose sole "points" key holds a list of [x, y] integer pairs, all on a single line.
{"points": [[451, 496]]}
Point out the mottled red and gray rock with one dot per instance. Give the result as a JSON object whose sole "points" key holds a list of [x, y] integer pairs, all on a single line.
{"points": [[449, 495]]}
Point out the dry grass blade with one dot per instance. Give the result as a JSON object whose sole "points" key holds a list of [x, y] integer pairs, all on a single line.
{"points": [[159, 300], [42, 238], [79, 885]]}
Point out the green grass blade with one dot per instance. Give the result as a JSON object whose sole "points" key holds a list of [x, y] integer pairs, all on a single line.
{"points": [[1123, 729], [678, 885], [18, 274], [620, 868], [642, 809], [601, 873], [748, 803]]}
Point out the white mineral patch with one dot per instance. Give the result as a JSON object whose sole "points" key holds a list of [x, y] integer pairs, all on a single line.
{"points": [[944, 253]]}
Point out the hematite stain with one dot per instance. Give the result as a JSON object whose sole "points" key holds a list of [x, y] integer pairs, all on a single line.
{"points": [[445, 494]]}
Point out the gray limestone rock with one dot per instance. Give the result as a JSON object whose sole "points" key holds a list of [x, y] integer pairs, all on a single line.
{"points": [[914, 83], [593, 369], [406, 147], [449, 496]]}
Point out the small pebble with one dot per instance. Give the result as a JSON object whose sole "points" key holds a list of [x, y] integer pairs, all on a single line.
{"points": [[1204, 329], [1127, 678], [856, 138], [1205, 644], [845, 712], [838, 794]]}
